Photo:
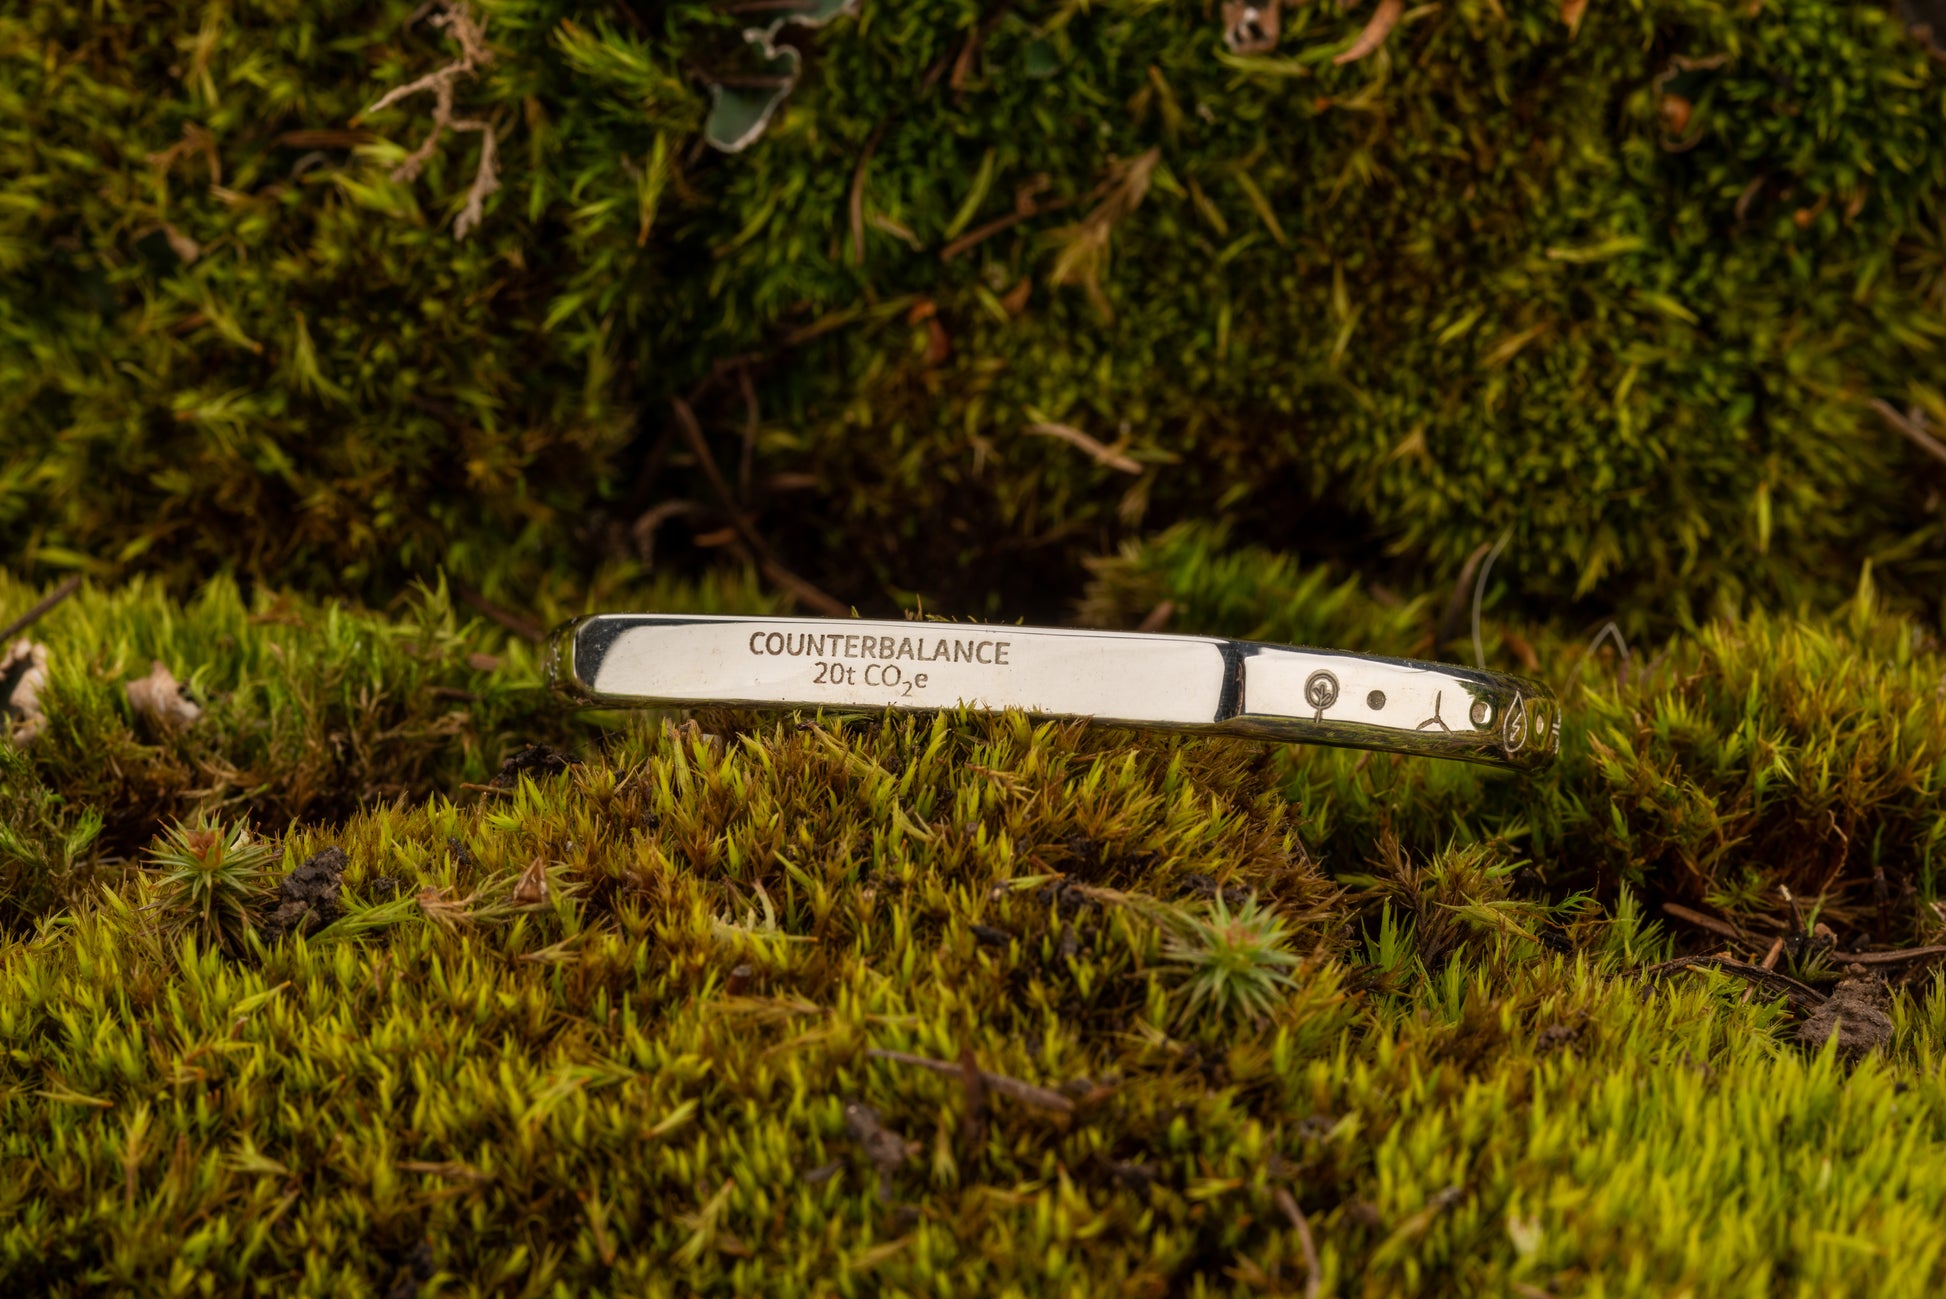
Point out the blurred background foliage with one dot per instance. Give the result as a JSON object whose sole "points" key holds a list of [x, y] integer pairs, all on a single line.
{"points": [[1002, 289]]}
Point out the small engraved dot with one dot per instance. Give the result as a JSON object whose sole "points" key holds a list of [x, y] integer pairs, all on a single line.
{"points": [[1481, 713], [1375, 700]]}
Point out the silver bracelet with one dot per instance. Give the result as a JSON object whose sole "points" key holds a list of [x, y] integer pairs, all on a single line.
{"points": [[1198, 684]]}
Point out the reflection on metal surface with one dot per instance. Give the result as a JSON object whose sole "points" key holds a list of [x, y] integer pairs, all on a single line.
{"points": [[1178, 683]]}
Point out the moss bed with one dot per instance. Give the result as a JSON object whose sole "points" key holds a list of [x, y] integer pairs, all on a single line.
{"points": [[1596, 341], [696, 1011]]}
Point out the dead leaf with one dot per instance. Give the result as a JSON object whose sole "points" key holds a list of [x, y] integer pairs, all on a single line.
{"points": [[185, 248], [938, 345], [1571, 11], [531, 891], [1252, 26], [1675, 114], [1383, 20], [158, 697], [26, 667], [1855, 1013]]}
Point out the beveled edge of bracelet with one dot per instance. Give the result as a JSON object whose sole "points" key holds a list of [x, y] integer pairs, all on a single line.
{"points": [[563, 660]]}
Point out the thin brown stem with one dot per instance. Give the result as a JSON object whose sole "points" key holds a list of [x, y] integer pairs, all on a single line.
{"points": [[1910, 429], [857, 201], [1025, 1092], [1885, 958], [1689, 915], [980, 234], [1313, 1274], [525, 628], [804, 591], [41, 607], [1802, 995], [1769, 963], [745, 462]]}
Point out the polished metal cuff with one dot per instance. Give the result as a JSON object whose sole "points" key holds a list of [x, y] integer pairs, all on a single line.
{"points": [[1199, 684]]}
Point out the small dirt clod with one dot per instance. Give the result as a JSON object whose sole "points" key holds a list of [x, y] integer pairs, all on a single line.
{"points": [[884, 1147], [23, 674], [420, 1267], [307, 898], [531, 759], [1856, 1012]]}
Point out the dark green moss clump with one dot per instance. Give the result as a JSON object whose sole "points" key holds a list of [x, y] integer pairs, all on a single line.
{"points": [[1620, 292]]}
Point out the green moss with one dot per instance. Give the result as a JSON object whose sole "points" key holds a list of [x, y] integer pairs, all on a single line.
{"points": [[641, 1082], [1463, 288], [1720, 768], [1311, 340], [311, 710]]}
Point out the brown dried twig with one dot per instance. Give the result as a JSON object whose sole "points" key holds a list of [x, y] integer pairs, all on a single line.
{"points": [[809, 594], [1313, 1274], [644, 528], [1023, 209], [963, 65], [973, 1127], [1802, 995], [1101, 453], [1770, 960], [1689, 915], [1453, 621], [525, 628], [1024, 1092], [857, 203], [41, 607], [1910, 428], [746, 461], [1480, 594], [1885, 958], [457, 19]]}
